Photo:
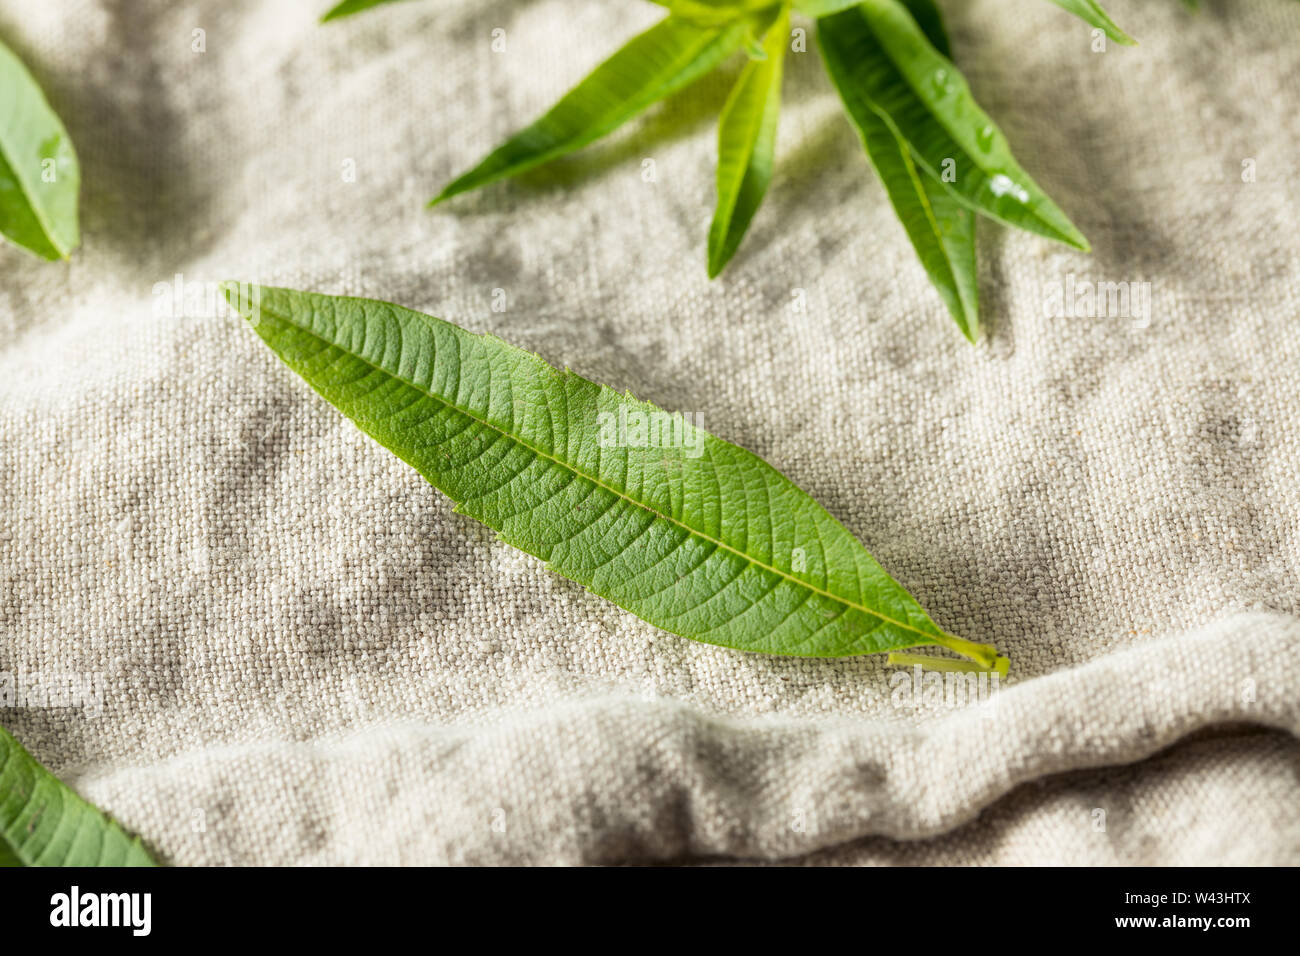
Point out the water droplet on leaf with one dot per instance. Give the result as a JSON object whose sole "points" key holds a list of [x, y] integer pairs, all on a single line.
{"points": [[943, 83], [1001, 185]]}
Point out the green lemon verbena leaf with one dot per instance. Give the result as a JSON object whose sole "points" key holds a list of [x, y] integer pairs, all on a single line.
{"points": [[1092, 13], [43, 823], [39, 176], [691, 533], [941, 229], [746, 143], [651, 66], [923, 97]]}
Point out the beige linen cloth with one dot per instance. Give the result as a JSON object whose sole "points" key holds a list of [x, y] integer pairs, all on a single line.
{"points": [[293, 651]]}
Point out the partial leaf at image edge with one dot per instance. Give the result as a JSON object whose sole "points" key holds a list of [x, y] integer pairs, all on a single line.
{"points": [[941, 229], [44, 823], [691, 533], [349, 7], [39, 176], [926, 101], [1091, 13], [652, 66], [746, 145]]}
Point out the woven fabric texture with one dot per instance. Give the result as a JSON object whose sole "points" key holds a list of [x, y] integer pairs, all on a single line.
{"points": [[287, 648]]}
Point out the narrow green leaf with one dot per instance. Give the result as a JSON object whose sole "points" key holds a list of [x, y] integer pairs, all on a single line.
{"points": [[925, 100], [1091, 13], [692, 534], [746, 145], [941, 229], [39, 176], [652, 66], [43, 823], [349, 7]]}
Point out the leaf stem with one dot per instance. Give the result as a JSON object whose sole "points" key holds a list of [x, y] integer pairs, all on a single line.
{"points": [[984, 656], [999, 666]]}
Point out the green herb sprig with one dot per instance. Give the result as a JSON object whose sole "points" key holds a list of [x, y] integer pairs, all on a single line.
{"points": [[942, 159]]}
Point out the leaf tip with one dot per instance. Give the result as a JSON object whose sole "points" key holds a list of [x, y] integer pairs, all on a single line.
{"points": [[1121, 37], [454, 188], [1072, 237], [719, 256], [244, 297]]}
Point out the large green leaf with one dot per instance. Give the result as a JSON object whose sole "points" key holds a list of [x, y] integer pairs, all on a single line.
{"points": [[925, 100], [691, 533], [651, 66], [43, 823], [941, 229], [39, 176], [746, 144], [1092, 13]]}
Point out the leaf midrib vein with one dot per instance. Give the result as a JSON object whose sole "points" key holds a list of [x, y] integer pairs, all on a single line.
{"points": [[596, 481]]}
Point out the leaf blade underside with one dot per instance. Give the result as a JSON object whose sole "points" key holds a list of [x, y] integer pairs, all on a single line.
{"points": [[44, 823], [39, 176], [696, 536]]}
